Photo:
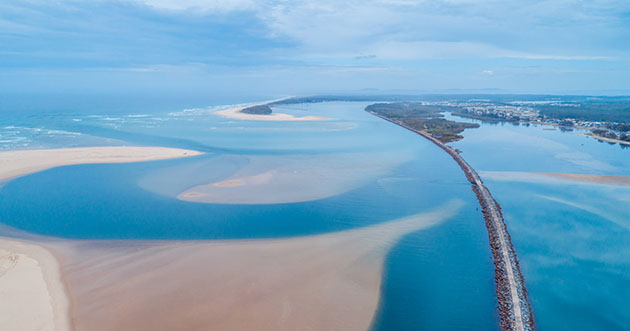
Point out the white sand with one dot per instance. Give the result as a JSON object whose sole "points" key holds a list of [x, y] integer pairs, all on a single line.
{"points": [[236, 113], [32, 294], [322, 282], [21, 162]]}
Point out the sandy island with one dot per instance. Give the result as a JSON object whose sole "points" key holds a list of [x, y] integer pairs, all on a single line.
{"points": [[236, 113], [321, 282], [21, 162]]}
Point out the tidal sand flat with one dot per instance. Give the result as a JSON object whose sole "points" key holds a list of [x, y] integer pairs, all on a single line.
{"points": [[31, 289], [321, 282], [236, 113], [21, 162]]}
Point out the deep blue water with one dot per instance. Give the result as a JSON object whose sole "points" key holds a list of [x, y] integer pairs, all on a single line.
{"points": [[572, 239], [436, 279]]}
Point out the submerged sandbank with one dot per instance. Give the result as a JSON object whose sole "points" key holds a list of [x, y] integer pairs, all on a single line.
{"points": [[320, 282], [236, 113], [31, 289], [21, 162], [288, 179]]}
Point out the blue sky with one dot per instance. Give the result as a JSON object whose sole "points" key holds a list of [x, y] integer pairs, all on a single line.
{"points": [[281, 47]]}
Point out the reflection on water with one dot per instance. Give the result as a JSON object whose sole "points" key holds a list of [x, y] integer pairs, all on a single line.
{"points": [[370, 170]]}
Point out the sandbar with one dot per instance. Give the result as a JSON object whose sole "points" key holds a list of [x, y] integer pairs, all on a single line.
{"points": [[320, 282], [31, 289], [235, 113], [15, 163], [588, 178], [556, 178]]}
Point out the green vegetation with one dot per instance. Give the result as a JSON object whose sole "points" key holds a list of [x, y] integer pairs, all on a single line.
{"points": [[594, 112], [422, 118], [257, 110]]}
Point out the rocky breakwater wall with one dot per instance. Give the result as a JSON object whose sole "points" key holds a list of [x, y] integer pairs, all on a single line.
{"points": [[514, 307]]}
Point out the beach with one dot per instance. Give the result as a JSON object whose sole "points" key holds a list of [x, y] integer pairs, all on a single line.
{"points": [[15, 163], [321, 282], [31, 287], [30, 281]]}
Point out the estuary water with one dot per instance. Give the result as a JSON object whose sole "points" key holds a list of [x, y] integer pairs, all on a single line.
{"points": [[362, 171], [572, 238]]}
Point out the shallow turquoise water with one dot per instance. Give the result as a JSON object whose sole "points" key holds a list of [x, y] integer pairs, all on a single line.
{"points": [[436, 279], [572, 239]]}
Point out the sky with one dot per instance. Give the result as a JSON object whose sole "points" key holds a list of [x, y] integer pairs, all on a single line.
{"points": [[283, 47]]}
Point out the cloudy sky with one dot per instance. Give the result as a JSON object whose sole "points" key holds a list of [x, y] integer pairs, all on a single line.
{"points": [[307, 46]]}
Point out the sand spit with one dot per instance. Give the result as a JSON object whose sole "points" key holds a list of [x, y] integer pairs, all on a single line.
{"points": [[21, 162], [236, 113], [321, 282], [32, 295]]}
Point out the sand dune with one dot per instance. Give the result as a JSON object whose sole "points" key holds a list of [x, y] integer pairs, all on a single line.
{"points": [[322, 282], [21, 162], [32, 294]]}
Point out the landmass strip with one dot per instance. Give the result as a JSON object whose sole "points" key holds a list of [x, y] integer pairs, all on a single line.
{"points": [[514, 307]]}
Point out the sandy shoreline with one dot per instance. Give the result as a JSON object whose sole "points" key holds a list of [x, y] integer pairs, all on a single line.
{"points": [[17, 163], [604, 139], [322, 282], [236, 113], [31, 288]]}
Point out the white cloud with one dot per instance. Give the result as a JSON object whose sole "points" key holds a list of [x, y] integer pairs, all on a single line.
{"points": [[200, 5], [408, 29]]}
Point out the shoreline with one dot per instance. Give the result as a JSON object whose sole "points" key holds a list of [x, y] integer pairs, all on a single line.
{"points": [[16, 163], [514, 307]]}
